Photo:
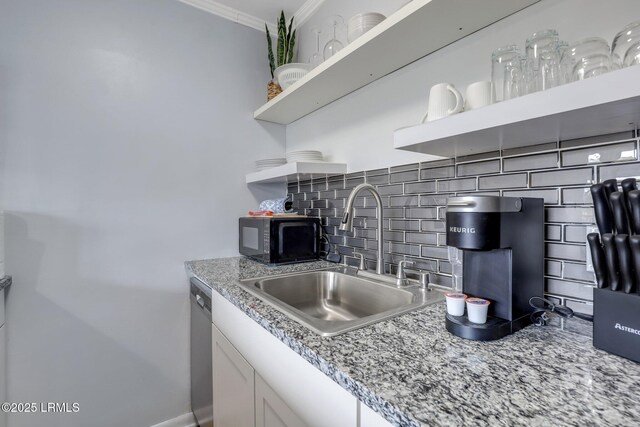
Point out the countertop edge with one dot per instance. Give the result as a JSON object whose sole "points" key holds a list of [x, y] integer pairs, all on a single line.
{"points": [[381, 406]]}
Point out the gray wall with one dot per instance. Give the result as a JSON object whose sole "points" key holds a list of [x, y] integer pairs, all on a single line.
{"points": [[125, 132]]}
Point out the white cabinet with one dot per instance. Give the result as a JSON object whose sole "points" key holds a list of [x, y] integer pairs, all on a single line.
{"points": [[313, 397], [271, 410], [369, 418], [259, 381], [233, 385]]}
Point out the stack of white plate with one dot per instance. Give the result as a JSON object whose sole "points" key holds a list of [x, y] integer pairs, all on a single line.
{"points": [[269, 163], [361, 23], [304, 156]]}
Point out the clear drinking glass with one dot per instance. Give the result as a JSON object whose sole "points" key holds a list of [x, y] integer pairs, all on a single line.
{"points": [[632, 57], [316, 59], [566, 64], [506, 72], [334, 45], [543, 61], [623, 42], [590, 57]]}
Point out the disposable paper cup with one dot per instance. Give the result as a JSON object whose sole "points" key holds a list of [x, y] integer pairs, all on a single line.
{"points": [[477, 310], [455, 303]]}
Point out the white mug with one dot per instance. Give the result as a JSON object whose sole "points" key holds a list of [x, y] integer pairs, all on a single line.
{"points": [[480, 94], [444, 100]]}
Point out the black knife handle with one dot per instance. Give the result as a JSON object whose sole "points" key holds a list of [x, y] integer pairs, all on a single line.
{"points": [[611, 186], [634, 243], [611, 258], [619, 211], [625, 263], [601, 208], [634, 214], [597, 259], [628, 185]]}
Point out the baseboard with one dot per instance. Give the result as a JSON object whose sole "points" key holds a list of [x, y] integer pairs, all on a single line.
{"points": [[184, 420]]}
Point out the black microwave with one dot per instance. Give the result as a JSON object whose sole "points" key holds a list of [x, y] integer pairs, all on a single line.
{"points": [[276, 240]]}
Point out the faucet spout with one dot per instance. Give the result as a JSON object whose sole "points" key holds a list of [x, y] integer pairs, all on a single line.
{"points": [[347, 220]]}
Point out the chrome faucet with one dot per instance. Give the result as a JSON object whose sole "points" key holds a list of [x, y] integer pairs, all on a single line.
{"points": [[347, 220]]}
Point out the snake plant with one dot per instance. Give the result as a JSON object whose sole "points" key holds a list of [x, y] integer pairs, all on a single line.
{"points": [[285, 44]]}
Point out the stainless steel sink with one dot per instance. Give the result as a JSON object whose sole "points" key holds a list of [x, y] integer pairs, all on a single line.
{"points": [[330, 302]]}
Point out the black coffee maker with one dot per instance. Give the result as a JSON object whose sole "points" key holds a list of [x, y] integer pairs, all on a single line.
{"points": [[503, 260]]}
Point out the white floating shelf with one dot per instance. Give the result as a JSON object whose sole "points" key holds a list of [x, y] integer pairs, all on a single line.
{"points": [[296, 171], [605, 104], [415, 30]]}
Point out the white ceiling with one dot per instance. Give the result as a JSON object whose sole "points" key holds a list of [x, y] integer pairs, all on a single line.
{"points": [[255, 13]]}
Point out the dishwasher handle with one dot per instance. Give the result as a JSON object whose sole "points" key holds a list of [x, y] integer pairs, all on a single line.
{"points": [[200, 301]]}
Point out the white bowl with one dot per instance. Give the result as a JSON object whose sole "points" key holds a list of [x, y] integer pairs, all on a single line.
{"points": [[288, 74], [361, 23]]}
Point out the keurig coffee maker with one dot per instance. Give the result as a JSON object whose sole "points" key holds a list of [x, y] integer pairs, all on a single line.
{"points": [[503, 260]]}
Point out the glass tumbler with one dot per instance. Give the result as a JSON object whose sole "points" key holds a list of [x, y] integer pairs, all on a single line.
{"points": [[566, 65], [589, 58], [627, 39], [543, 61], [506, 72]]}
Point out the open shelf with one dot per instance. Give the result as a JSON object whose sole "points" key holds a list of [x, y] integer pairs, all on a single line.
{"points": [[296, 171], [605, 104], [416, 30]]}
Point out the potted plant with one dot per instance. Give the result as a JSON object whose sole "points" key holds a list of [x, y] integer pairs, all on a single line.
{"points": [[285, 48]]}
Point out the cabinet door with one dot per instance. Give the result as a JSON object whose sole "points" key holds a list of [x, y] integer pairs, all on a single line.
{"points": [[369, 418], [271, 411], [3, 374], [233, 385]]}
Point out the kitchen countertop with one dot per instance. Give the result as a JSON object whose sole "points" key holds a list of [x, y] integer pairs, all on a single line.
{"points": [[413, 372], [5, 282]]}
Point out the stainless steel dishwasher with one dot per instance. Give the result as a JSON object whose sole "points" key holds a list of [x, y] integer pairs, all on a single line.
{"points": [[201, 369]]}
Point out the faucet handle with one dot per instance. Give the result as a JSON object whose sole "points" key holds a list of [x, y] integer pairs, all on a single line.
{"points": [[363, 264], [401, 265], [401, 277]]}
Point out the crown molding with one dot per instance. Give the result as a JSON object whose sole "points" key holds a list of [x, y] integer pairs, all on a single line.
{"points": [[302, 15], [306, 11], [231, 14]]}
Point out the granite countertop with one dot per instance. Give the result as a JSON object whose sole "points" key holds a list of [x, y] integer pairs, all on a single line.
{"points": [[5, 282], [413, 372]]}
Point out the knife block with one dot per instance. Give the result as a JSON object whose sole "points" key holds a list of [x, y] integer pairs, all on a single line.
{"points": [[616, 323]]}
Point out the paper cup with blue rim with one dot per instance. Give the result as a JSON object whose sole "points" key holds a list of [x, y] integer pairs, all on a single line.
{"points": [[477, 309], [455, 303]]}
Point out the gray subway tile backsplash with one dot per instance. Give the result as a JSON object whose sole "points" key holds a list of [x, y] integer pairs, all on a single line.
{"points": [[576, 196], [420, 187], [403, 176], [562, 177], [600, 154], [451, 185], [619, 171], [525, 163], [575, 233], [502, 181], [438, 173], [479, 168], [414, 198]]}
